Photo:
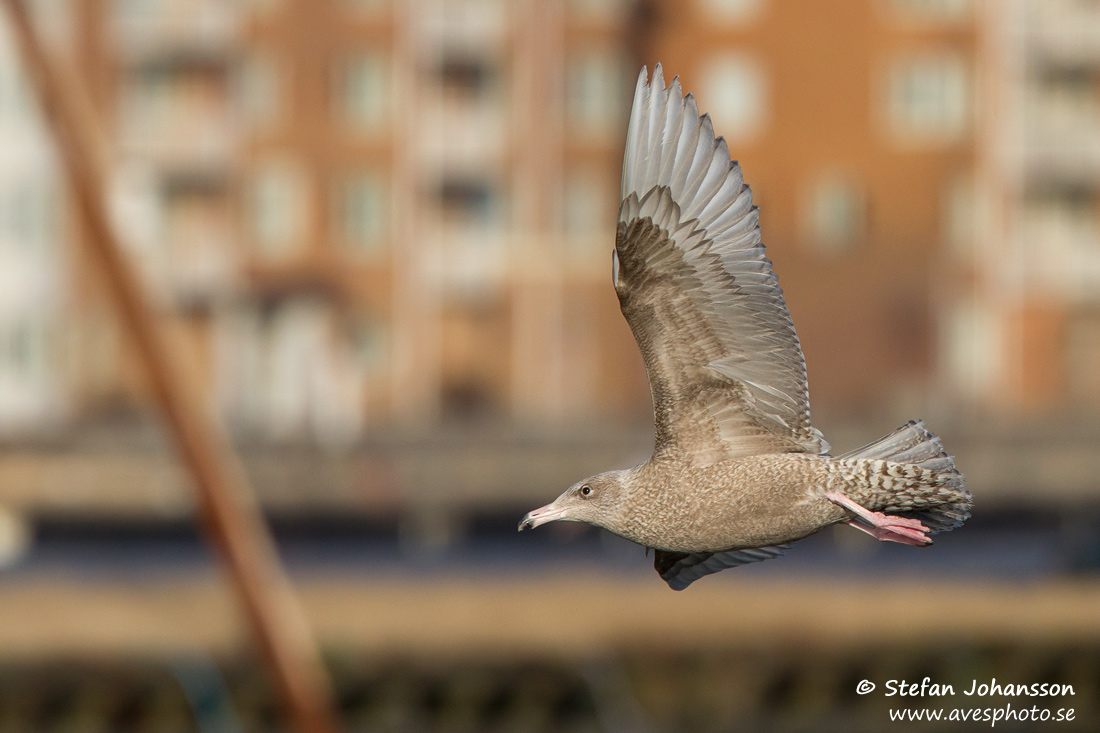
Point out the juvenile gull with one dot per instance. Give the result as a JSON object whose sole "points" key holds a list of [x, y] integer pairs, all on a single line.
{"points": [[737, 471]]}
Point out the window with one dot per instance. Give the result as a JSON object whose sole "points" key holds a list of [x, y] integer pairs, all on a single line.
{"points": [[600, 10], [25, 365], [469, 202], [733, 88], [175, 110], [363, 90], [928, 98], [475, 25], [1083, 358], [278, 207], [930, 11], [362, 212], [141, 9], [21, 348], [974, 349], [1057, 222], [731, 11], [836, 213], [196, 231], [369, 340], [597, 98], [150, 97], [263, 6], [1063, 103], [287, 375], [258, 88], [587, 204], [29, 213], [466, 76], [960, 215], [16, 104], [366, 7], [53, 19], [30, 393], [32, 214]]}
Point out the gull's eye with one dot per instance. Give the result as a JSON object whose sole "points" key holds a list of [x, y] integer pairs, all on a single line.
{"points": [[586, 491]]}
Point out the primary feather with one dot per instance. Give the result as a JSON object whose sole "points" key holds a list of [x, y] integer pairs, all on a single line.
{"points": [[724, 363]]}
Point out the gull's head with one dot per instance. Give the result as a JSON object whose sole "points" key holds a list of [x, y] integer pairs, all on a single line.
{"points": [[593, 500]]}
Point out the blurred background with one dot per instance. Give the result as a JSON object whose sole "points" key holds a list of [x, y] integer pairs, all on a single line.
{"points": [[383, 229]]}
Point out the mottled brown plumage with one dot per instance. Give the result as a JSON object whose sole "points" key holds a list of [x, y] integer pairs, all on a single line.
{"points": [[737, 470]]}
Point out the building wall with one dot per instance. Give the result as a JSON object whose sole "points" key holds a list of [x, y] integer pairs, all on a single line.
{"points": [[35, 245], [362, 213], [1036, 267], [375, 212], [852, 121]]}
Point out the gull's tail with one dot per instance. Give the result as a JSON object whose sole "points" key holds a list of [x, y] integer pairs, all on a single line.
{"points": [[912, 476]]}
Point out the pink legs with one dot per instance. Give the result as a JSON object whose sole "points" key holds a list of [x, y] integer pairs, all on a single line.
{"points": [[882, 526]]}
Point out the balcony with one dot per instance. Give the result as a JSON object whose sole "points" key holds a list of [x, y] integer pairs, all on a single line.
{"points": [[1060, 243], [472, 262], [1070, 157], [201, 150], [174, 29], [463, 134], [177, 133], [1066, 33]]}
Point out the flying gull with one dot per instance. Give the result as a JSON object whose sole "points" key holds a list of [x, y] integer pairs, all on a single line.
{"points": [[737, 471]]}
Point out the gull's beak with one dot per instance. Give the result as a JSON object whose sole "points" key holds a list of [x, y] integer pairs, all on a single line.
{"points": [[548, 513]]}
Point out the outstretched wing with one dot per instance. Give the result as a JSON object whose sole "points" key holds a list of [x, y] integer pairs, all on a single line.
{"points": [[681, 569], [724, 363]]}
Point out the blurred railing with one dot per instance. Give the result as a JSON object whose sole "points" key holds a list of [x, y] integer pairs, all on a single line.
{"points": [[143, 30], [1054, 154], [466, 467]]}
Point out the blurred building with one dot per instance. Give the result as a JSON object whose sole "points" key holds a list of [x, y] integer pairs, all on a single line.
{"points": [[854, 123], [927, 175], [355, 212], [35, 252], [1027, 335], [383, 229], [362, 212]]}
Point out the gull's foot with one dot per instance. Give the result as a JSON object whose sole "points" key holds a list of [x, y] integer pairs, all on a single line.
{"points": [[881, 526], [904, 535]]}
